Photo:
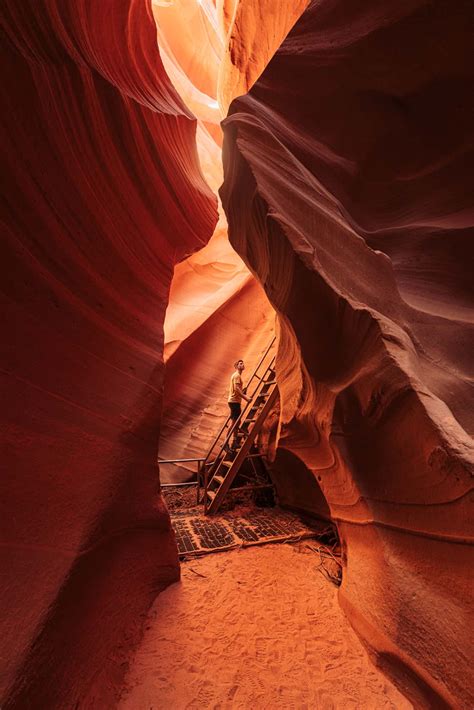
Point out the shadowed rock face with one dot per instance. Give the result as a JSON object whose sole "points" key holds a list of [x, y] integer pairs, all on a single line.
{"points": [[347, 191], [102, 176]]}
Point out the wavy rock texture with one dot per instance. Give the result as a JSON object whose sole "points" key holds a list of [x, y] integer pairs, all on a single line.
{"points": [[348, 174], [102, 176], [191, 47]]}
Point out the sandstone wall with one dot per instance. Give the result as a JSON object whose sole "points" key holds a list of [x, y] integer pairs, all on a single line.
{"points": [[103, 194], [348, 169]]}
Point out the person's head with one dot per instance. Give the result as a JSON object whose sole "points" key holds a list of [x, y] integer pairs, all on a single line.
{"points": [[239, 365]]}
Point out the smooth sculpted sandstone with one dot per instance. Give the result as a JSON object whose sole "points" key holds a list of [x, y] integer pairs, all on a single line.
{"points": [[101, 175], [348, 191]]}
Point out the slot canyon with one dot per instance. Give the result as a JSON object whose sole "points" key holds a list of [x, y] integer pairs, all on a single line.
{"points": [[185, 179]]}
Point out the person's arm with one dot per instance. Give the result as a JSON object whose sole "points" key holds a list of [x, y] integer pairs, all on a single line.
{"points": [[241, 392]]}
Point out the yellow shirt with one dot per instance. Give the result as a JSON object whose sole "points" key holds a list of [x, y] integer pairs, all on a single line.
{"points": [[235, 384]]}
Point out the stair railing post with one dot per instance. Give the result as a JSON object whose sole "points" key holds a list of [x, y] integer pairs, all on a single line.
{"points": [[206, 482], [198, 487]]}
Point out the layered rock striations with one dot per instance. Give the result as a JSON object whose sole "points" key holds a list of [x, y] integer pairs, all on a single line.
{"points": [[347, 191], [102, 175]]}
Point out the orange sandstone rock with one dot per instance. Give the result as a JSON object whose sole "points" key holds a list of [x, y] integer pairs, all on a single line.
{"points": [[253, 31], [346, 174], [102, 176]]}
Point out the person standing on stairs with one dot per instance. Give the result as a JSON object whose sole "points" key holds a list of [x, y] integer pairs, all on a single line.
{"points": [[236, 395]]}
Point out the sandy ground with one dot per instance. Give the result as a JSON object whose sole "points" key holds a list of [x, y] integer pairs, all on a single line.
{"points": [[250, 629]]}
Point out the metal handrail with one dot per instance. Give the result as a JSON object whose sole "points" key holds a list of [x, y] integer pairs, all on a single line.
{"points": [[247, 407], [203, 462], [197, 481], [236, 424], [226, 422], [258, 416], [199, 458], [178, 485]]}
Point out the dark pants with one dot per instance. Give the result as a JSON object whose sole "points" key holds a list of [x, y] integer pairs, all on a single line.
{"points": [[235, 410]]}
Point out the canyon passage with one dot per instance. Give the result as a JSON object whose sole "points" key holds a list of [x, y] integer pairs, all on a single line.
{"points": [[186, 183]]}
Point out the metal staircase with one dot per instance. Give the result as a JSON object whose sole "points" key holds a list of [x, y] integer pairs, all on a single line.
{"points": [[222, 464]]}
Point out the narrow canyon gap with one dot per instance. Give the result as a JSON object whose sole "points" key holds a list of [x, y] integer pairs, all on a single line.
{"points": [[217, 311]]}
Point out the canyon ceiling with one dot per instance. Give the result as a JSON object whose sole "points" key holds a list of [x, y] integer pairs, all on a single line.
{"points": [[347, 197]]}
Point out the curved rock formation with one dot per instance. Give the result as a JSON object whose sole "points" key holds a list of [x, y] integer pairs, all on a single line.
{"points": [[191, 47], [102, 176], [347, 191]]}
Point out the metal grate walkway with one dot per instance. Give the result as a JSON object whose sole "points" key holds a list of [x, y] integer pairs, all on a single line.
{"points": [[197, 535]]}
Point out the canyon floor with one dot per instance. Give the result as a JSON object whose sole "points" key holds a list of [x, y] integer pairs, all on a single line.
{"points": [[253, 628]]}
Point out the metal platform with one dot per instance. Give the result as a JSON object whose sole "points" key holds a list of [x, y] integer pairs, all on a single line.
{"points": [[199, 535]]}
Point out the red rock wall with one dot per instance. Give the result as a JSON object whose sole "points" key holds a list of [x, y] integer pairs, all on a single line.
{"points": [[102, 196], [348, 174]]}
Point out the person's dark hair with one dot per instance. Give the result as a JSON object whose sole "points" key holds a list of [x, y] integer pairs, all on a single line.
{"points": [[237, 362]]}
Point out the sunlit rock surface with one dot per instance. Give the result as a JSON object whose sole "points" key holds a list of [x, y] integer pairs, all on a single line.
{"points": [[102, 177], [252, 32], [348, 174], [191, 45]]}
